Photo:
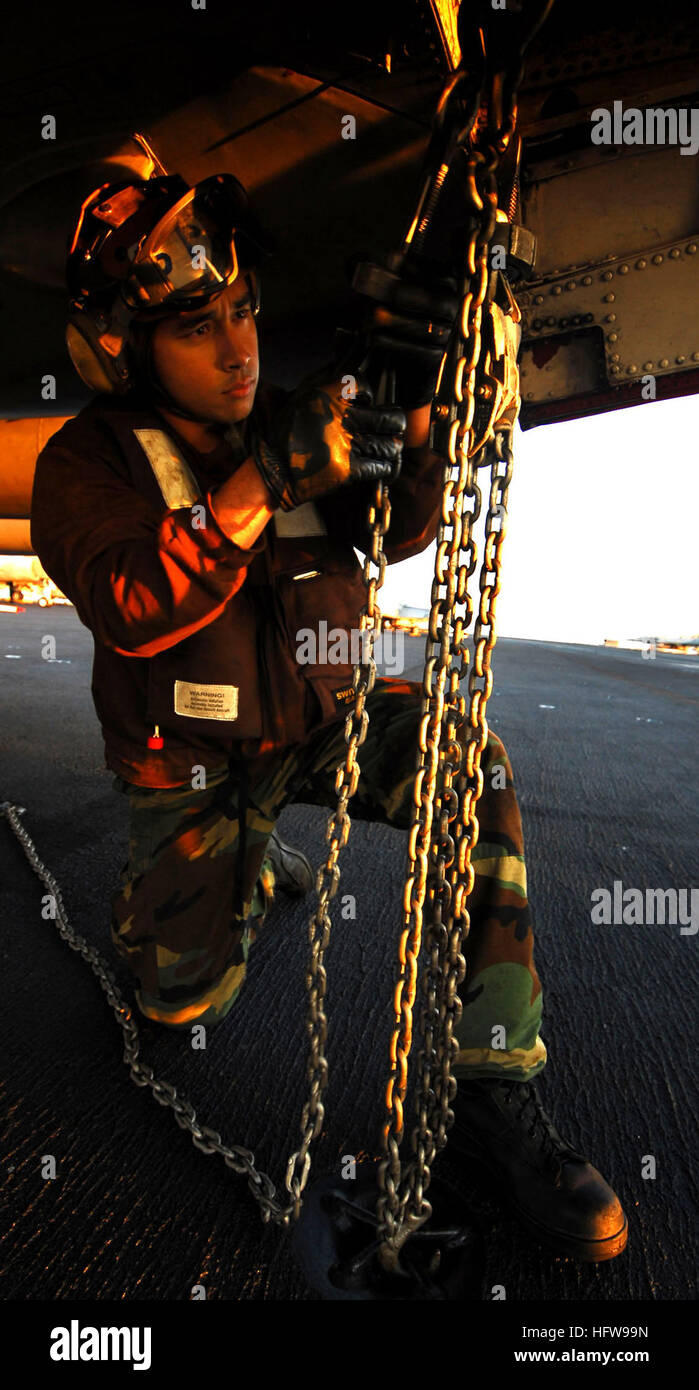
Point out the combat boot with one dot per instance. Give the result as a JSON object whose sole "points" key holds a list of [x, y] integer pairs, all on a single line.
{"points": [[290, 870], [552, 1188]]}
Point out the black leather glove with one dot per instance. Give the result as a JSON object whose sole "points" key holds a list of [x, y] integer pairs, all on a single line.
{"points": [[409, 333], [323, 441]]}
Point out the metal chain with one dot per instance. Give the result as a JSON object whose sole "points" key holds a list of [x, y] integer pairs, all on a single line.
{"points": [[391, 1209], [449, 921], [402, 1205], [242, 1160], [337, 833]]}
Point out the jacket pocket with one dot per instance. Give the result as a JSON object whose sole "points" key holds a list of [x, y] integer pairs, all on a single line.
{"points": [[206, 688], [321, 610]]}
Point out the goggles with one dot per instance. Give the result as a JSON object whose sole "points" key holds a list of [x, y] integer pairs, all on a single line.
{"points": [[190, 254]]}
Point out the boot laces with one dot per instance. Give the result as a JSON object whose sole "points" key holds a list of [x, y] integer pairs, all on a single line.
{"points": [[528, 1106]]}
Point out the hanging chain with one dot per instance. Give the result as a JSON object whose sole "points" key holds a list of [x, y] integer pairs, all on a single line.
{"points": [[242, 1160], [449, 921], [392, 1202], [337, 833], [437, 803]]}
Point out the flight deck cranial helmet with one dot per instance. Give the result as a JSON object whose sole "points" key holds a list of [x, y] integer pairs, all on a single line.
{"points": [[145, 249]]}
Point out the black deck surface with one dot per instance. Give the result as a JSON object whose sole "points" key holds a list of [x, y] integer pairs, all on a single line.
{"points": [[607, 787]]}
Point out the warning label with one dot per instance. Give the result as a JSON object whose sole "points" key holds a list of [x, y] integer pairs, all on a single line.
{"points": [[206, 701]]}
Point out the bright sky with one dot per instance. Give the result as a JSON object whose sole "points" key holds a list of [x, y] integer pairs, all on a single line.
{"points": [[601, 530]]}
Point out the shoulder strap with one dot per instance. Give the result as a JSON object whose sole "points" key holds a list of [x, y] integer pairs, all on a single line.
{"points": [[172, 472]]}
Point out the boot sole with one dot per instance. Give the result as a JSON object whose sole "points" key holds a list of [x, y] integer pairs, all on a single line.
{"points": [[586, 1251], [580, 1248]]}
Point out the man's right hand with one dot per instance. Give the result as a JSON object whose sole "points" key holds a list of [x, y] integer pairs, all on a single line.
{"points": [[324, 441]]}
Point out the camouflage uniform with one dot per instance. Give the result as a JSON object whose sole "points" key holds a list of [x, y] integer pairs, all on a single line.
{"points": [[194, 891]]}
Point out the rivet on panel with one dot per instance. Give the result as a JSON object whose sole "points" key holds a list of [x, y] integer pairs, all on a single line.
{"points": [[586, 280], [695, 356], [663, 362], [556, 289], [538, 298], [657, 260], [607, 275], [610, 318], [614, 357], [612, 337], [632, 369], [609, 298], [680, 359], [647, 366], [623, 270], [614, 369], [641, 265], [691, 248], [572, 285], [674, 253]]}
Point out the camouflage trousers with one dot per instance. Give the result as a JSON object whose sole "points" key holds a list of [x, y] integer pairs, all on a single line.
{"points": [[197, 883]]}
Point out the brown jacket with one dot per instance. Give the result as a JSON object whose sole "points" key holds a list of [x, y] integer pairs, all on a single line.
{"points": [[191, 632]]}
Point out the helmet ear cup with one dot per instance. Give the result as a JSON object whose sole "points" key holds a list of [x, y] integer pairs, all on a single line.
{"points": [[99, 350]]}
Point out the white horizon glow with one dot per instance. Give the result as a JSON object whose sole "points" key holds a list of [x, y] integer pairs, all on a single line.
{"points": [[601, 530]]}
